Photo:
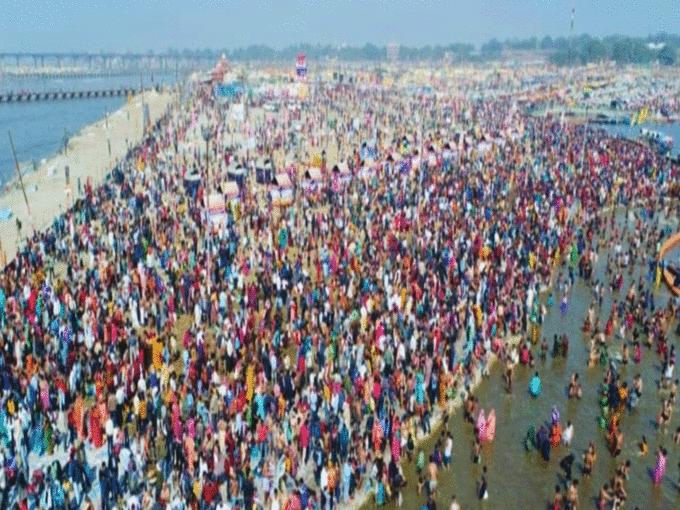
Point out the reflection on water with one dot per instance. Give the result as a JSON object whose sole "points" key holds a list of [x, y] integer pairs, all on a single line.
{"points": [[523, 480]]}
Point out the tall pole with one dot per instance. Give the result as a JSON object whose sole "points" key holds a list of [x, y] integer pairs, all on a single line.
{"points": [[571, 33], [206, 136], [585, 135], [141, 90], [21, 180]]}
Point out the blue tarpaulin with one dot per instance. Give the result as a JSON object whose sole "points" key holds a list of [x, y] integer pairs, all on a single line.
{"points": [[233, 89]]}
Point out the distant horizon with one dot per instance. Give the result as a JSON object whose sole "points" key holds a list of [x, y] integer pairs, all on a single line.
{"points": [[336, 47], [141, 26]]}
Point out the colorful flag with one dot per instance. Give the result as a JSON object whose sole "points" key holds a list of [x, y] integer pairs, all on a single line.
{"points": [[642, 116]]}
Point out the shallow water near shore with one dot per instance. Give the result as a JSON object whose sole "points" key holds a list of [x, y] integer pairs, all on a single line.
{"points": [[518, 479], [632, 132], [38, 128]]}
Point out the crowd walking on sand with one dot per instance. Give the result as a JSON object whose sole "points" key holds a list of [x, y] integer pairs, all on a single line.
{"points": [[294, 357]]}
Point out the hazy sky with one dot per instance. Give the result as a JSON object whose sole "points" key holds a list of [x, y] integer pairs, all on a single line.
{"points": [[122, 25]]}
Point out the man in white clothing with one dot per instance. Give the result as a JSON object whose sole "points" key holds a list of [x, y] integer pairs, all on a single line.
{"points": [[454, 504]]}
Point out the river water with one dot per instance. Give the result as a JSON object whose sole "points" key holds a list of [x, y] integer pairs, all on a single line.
{"points": [[521, 480], [632, 132], [38, 128]]}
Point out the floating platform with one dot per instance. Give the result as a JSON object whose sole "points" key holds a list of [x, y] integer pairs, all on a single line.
{"points": [[29, 97]]}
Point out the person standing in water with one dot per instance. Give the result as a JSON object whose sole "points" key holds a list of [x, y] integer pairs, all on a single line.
{"points": [[454, 503], [557, 499], [482, 488], [572, 496]]}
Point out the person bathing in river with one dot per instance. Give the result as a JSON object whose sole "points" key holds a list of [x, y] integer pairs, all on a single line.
{"points": [[604, 497], [476, 452], [642, 447], [572, 496], [507, 375], [568, 434], [544, 349], [558, 499], [589, 460], [575, 389]]}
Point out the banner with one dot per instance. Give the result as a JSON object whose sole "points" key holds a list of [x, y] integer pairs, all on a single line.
{"points": [[229, 90]]}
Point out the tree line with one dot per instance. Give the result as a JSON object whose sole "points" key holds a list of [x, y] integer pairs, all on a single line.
{"points": [[582, 49]]}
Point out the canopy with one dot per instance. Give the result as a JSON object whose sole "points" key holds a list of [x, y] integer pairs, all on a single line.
{"points": [[231, 189], [236, 170], [282, 181], [342, 169], [313, 173], [282, 199], [193, 177], [216, 203]]}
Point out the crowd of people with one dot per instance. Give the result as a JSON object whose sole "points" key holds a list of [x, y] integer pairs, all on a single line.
{"points": [[289, 358]]}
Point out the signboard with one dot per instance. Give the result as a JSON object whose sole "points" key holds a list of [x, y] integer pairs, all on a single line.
{"points": [[217, 210], [301, 67], [238, 113], [229, 90]]}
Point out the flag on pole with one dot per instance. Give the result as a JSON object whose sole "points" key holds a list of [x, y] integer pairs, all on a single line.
{"points": [[642, 116]]}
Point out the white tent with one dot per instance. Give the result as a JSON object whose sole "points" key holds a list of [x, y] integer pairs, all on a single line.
{"points": [[312, 179], [231, 190], [217, 210], [313, 174]]}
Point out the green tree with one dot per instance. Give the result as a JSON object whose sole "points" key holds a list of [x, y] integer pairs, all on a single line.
{"points": [[492, 49], [372, 52], [547, 43], [666, 56], [595, 51]]}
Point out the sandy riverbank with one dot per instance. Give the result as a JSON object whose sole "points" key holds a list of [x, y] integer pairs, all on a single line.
{"points": [[87, 156]]}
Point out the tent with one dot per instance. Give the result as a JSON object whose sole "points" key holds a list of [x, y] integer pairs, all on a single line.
{"points": [[237, 173], [263, 171], [341, 176], [312, 179], [313, 174], [341, 171], [231, 190], [217, 210], [191, 183], [282, 181], [281, 190]]}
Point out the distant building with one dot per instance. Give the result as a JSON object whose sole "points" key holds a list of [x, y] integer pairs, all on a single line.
{"points": [[656, 46], [524, 57], [217, 74], [393, 52]]}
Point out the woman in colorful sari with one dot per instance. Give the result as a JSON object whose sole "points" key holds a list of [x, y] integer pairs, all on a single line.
{"points": [[95, 426], [78, 417]]}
